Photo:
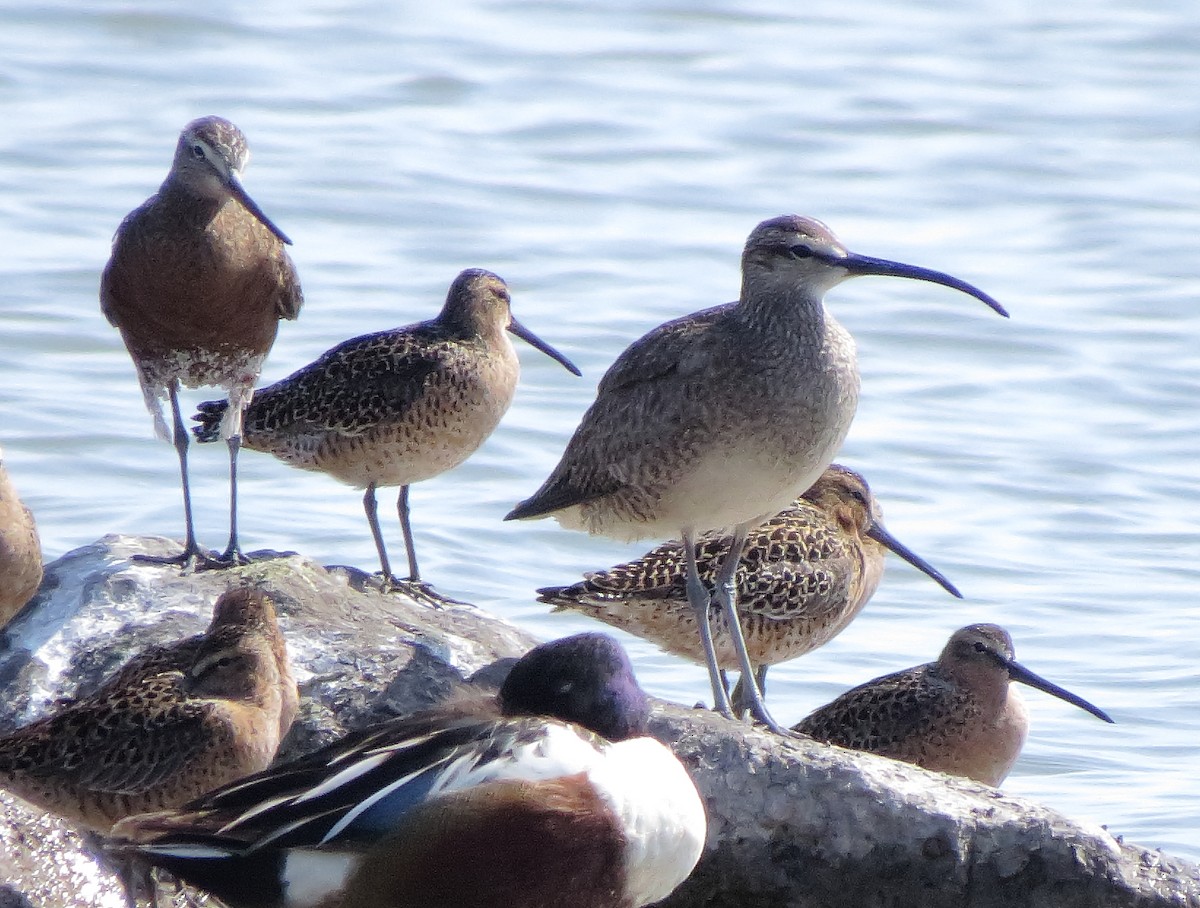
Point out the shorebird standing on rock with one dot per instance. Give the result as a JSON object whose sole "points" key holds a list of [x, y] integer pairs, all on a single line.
{"points": [[960, 715], [802, 577], [396, 407], [197, 283], [721, 418]]}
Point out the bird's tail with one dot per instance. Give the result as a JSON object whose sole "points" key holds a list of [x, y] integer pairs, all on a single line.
{"points": [[251, 879], [209, 415]]}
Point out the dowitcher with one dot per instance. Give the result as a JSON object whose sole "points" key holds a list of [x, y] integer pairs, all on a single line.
{"points": [[802, 577], [960, 715], [197, 283], [723, 417], [549, 796], [20, 550], [170, 725], [396, 407]]}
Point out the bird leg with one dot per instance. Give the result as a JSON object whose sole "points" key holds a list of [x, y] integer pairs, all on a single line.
{"points": [[726, 596], [371, 506], [192, 557], [411, 587], [414, 586], [739, 697], [233, 552], [700, 600], [414, 575]]}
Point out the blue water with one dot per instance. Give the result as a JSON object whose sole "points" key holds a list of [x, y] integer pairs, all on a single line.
{"points": [[608, 160]]}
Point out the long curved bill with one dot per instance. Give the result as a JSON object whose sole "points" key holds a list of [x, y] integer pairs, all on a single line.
{"points": [[1018, 672], [239, 193], [538, 344], [892, 544], [865, 264]]}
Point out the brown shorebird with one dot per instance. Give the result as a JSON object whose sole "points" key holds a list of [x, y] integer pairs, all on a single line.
{"points": [[173, 723], [549, 796], [960, 715], [20, 550], [395, 407], [722, 418], [802, 577], [197, 283]]}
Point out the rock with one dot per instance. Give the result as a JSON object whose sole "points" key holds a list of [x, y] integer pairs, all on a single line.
{"points": [[790, 822], [359, 655], [795, 822]]}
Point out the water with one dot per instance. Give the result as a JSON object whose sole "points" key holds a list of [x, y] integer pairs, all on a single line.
{"points": [[609, 162]]}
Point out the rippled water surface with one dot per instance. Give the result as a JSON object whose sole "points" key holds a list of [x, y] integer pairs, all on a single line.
{"points": [[608, 160]]}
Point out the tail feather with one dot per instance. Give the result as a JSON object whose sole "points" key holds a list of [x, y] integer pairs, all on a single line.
{"points": [[237, 877], [563, 598], [209, 415]]}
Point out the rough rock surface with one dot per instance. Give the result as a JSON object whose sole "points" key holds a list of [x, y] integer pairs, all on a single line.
{"points": [[790, 822]]}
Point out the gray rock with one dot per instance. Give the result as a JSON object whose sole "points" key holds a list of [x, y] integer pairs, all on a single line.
{"points": [[790, 822]]}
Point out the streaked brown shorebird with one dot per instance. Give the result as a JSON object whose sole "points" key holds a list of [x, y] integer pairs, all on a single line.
{"points": [[722, 418], [172, 724], [802, 577], [396, 407], [960, 715], [197, 283], [20, 550]]}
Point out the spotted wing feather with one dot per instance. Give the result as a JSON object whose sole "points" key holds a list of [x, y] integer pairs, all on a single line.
{"points": [[655, 392], [887, 715], [347, 391], [133, 742]]}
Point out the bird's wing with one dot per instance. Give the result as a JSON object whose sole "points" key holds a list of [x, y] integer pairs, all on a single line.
{"points": [[881, 715], [795, 567], [350, 387], [288, 296], [123, 744], [359, 787], [651, 398]]}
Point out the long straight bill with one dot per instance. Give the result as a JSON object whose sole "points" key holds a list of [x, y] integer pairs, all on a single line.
{"points": [[538, 344], [1018, 672]]}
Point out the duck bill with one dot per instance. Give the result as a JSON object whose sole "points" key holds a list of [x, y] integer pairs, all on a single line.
{"points": [[538, 344], [894, 545], [865, 264], [1018, 672], [239, 193]]}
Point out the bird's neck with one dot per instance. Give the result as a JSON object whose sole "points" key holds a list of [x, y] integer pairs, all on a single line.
{"points": [[179, 195], [781, 308]]}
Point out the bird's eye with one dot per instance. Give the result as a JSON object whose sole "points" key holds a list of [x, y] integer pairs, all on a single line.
{"points": [[980, 647], [198, 152], [800, 251]]}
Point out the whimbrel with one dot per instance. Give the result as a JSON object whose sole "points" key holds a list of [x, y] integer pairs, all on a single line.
{"points": [[723, 417]]}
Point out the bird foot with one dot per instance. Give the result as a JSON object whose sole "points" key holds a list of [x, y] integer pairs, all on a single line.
{"points": [[419, 591], [191, 560], [760, 716], [234, 556]]}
